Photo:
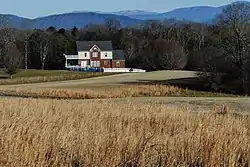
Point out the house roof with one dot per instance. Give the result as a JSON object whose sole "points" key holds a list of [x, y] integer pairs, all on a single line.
{"points": [[118, 55], [86, 45]]}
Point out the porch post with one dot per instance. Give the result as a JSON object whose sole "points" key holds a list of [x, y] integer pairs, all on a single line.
{"points": [[66, 62]]}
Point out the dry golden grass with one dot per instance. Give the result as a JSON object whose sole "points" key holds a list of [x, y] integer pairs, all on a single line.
{"points": [[98, 133], [106, 92]]}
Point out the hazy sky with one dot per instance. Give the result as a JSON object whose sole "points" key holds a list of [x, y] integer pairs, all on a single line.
{"points": [[35, 8]]}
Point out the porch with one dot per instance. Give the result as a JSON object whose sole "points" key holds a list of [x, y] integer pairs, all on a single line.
{"points": [[76, 61]]}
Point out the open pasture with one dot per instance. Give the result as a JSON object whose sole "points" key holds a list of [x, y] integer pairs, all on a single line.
{"points": [[112, 80], [37, 132]]}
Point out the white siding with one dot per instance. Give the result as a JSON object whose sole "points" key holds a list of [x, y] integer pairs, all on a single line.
{"points": [[108, 53], [81, 55]]}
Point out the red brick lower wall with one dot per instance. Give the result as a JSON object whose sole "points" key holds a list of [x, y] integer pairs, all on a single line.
{"points": [[114, 64], [106, 63]]}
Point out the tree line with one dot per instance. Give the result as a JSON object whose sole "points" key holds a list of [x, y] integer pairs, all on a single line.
{"points": [[219, 51]]}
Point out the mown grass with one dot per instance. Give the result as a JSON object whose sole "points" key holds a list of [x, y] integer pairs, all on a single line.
{"points": [[109, 92], [37, 76], [101, 133], [35, 73]]}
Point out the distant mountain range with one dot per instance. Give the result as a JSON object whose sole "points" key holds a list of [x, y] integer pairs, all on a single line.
{"points": [[81, 19]]}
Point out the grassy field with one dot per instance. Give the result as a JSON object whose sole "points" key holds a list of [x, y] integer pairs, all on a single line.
{"points": [[114, 80], [126, 129], [168, 95], [41, 76], [103, 133], [124, 91], [113, 86], [35, 73]]}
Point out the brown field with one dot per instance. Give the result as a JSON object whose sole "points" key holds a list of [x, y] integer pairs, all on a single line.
{"points": [[129, 133], [118, 86], [196, 104], [108, 92], [126, 129]]}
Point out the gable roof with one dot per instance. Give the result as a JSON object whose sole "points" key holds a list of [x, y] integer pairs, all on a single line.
{"points": [[86, 45], [118, 55]]}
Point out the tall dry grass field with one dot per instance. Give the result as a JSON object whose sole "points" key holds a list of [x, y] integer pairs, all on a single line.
{"points": [[102, 133], [121, 91]]}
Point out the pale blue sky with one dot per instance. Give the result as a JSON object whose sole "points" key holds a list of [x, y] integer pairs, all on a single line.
{"points": [[35, 8]]}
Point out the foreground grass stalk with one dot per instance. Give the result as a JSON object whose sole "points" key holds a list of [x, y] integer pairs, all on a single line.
{"points": [[102, 133]]}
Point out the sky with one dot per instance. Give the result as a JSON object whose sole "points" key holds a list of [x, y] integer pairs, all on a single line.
{"points": [[39, 8]]}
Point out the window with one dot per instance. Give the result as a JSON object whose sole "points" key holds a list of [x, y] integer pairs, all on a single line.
{"points": [[98, 64], [95, 54], [95, 63], [85, 54], [106, 62], [106, 55], [117, 64]]}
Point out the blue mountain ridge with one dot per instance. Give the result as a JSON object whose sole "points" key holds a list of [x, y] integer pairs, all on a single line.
{"points": [[80, 19]]}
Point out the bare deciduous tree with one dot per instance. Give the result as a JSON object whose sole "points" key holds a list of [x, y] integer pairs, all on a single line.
{"points": [[130, 44], [233, 45], [174, 57], [42, 45], [163, 55], [44, 51], [25, 35], [12, 60], [10, 57]]}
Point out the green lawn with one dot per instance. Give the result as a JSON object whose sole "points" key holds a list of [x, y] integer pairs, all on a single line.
{"points": [[35, 73], [37, 76]]}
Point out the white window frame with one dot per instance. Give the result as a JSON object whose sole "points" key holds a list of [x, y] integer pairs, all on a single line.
{"points": [[95, 54]]}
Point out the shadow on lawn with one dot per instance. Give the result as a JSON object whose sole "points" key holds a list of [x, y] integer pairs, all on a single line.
{"points": [[196, 84]]}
